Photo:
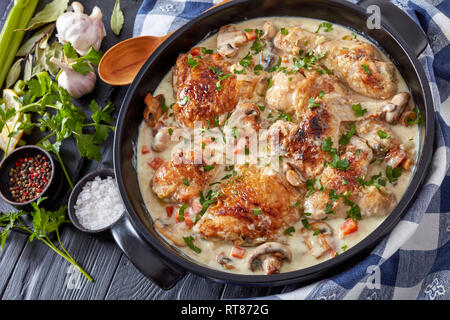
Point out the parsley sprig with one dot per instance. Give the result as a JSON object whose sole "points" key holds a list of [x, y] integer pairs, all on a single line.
{"points": [[44, 222]]}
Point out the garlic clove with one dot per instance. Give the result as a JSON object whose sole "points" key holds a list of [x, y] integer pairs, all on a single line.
{"points": [[76, 84], [81, 30]]}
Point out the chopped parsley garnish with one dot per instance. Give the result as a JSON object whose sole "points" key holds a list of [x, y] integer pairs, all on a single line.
{"points": [[344, 247], [258, 45], [276, 66], [366, 68], [289, 231], [393, 174], [257, 69], [270, 81], [206, 51], [284, 116], [321, 94], [345, 138], [313, 103], [306, 224], [374, 181], [340, 164], [238, 71], [327, 145], [383, 135], [256, 211], [191, 61], [329, 209], [284, 31], [220, 75], [326, 25], [359, 111], [186, 182], [181, 212], [246, 61], [262, 108], [354, 212], [209, 167], [296, 204], [170, 131], [190, 243]]}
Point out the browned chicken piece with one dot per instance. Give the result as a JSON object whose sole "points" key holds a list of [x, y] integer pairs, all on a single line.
{"points": [[254, 207], [292, 94], [318, 239], [320, 204], [375, 202], [201, 95], [358, 64], [180, 179], [378, 134], [301, 143]]}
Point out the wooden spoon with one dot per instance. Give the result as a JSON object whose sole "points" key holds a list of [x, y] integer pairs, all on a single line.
{"points": [[122, 62]]}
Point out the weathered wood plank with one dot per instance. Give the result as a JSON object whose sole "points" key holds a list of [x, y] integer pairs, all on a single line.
{"points": [[128, 283], [42, 274]]}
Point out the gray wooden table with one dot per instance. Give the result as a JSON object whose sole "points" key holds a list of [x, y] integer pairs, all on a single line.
{"points": [[30, 270]]}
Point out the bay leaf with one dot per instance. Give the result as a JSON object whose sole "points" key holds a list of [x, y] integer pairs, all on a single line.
{"points": [[28, 68], [27, 45], [14, 73], [117, 18], [49, 14]]}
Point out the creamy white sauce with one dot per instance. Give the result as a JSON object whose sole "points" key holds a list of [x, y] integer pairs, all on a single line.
{"points": [[301, 258]]}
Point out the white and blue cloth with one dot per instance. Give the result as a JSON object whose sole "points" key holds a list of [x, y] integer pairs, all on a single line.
{"points": [[413, 262]]}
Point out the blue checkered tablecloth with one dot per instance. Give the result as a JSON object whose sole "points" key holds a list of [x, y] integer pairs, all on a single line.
{"points": [[413, 262]]}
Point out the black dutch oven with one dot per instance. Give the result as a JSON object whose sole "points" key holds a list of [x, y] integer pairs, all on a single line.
{"points": [[398, 36]]}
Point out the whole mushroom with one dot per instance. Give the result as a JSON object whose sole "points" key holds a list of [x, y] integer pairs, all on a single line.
{"points": [[269, 256]]}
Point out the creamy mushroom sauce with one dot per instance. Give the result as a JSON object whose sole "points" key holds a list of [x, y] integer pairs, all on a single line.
{"points": [[300, 256]]}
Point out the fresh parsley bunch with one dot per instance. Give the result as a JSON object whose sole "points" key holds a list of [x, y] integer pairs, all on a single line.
{"points": [[44, 223], [61, 119]]}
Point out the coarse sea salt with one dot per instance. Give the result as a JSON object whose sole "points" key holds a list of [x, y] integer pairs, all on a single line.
{"points": [[99, 204]]}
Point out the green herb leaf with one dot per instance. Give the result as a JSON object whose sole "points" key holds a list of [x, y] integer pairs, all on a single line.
{"points": [[359, 111], [257, 211], [366, 68], [383, 135], [326, 25], [50, 13], [393, 174], [284, 31], [306, 224], [345, 138], [289, 231], [190, 243], [69, 51]]}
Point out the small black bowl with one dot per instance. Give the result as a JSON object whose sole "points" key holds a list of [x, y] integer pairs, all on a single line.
{"points": [[103, 174], [51, 191]]}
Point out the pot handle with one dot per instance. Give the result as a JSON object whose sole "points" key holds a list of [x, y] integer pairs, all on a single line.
{"points": [[401, 23], [143, 256]]}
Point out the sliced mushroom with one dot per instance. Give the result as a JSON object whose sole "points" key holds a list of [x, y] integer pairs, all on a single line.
{"points": [[163, 139], [245, 115], [395, 108], [269, 31], [318, 239], [267, 55], [229, 39], [407, 117], [269, 257], [395, 156], [292, 176], [224, 261], [153, 111], [168, 231]]}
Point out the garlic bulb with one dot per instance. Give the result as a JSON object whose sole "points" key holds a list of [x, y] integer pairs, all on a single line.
{"points": [[75, 83], [81, 30]]}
